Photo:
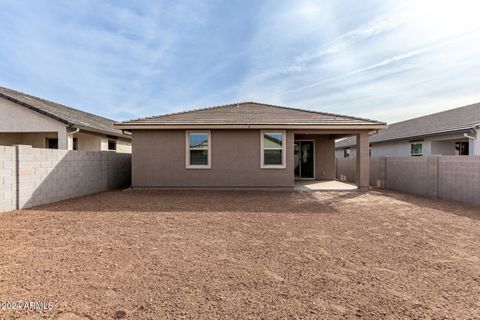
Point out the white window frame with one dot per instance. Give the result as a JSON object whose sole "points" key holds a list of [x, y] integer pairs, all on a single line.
{"points": [[187, 150], [416, 154], [284, 149]]}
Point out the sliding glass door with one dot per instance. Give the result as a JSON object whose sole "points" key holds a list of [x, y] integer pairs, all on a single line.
{"points": [[304, 159]]}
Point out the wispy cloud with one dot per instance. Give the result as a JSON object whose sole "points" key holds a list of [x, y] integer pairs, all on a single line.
{"points": [[382, 59], [386, 62], [391, 59], [109, 59]]}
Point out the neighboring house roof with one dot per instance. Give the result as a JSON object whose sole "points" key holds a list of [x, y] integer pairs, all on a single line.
{"points": [[458, 120], [249, 114], [70, 116]]}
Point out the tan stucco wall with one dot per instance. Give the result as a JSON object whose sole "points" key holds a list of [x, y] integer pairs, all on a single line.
{"points": [[20, 125], [91, 141], [18, 119], [9, 139], [124, 146], [324, 158], [88, 142], [158, 160], [37, 140], [441, 145], [34, 139]]}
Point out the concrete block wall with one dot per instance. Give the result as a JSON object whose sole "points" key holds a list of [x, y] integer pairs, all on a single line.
{"points": [[8, 173], [346, 169], [407, 174], [378, 172], [118, 167], [455, 178], [42, 176], [459, 178]]}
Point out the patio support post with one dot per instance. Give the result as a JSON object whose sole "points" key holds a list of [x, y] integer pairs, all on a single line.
{"points": [[363, 159]]}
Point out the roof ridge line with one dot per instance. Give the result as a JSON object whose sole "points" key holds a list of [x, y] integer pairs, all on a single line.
{"points": [[186, 111], [321, 112], [436, 113], [257, 103]]}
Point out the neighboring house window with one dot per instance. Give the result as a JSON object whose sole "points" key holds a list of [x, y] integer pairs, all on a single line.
{"points": [[416, 149], [198, 149], [346, 153], [75, 143], [112, 145], [461, 148], [52, 143], [272, 144]]}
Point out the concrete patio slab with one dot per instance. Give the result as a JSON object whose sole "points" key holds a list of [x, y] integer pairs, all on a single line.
{"points": [[315, 185]]}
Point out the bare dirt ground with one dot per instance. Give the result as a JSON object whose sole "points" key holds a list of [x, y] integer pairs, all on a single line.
{"points": [[243, 255]]}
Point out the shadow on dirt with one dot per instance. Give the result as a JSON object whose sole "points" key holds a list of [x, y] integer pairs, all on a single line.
{"points": [[202, 201]]}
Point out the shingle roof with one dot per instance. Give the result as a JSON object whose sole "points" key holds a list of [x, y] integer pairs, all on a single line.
{"points": [[250, 113], [458, 120], [69, 116]]}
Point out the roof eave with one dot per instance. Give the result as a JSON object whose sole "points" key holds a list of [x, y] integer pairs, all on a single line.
{"points": [[141, 126], [429, 135], [434, 134], [59, 119], [110, 133]]}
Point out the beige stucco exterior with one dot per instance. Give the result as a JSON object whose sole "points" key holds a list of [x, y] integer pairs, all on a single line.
{"points": [[20, 125], [437, 145], [91, 141], [159, 160]]}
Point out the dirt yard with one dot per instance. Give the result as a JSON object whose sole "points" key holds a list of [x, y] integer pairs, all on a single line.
{"points": [[243, 255]]}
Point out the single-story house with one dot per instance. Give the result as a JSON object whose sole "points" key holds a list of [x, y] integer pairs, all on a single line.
{"points": [[451, 132], [28, 120], [242, 145]]}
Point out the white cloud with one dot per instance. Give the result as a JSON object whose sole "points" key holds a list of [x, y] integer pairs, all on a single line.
{"points": [[395, 59], [104, 61], [383, 59]]}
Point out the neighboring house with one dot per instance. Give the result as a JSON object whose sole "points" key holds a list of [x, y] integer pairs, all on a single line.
{"points": [[29, 120], [243, 145], [451, 132]]}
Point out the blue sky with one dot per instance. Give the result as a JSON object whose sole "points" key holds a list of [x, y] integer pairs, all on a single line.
{"points": [[387, 60]]}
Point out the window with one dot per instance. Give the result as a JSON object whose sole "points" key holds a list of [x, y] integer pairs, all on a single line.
{"points": [[346, 153], [272, 149], [416, 149], [198, 150], [75, 143], [52, 143], [112, 145], [461, 148]]}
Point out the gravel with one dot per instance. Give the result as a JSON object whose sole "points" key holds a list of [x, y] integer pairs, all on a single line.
{"points": [[248, 255]]}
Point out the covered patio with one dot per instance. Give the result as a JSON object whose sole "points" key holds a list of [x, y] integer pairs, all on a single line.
{"points": [[315, 162]]}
